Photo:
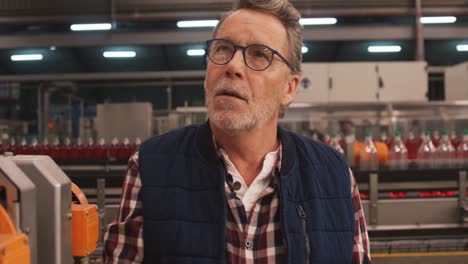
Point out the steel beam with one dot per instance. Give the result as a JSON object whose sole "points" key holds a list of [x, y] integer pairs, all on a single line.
{"points": [[106, 76], [329, 33]]}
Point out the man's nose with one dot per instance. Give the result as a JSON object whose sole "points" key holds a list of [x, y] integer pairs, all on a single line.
{"points": [[236, 67]]}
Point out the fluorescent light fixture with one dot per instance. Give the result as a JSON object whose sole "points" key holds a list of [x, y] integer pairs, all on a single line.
{"points": [[26, 57], [119, 54], [87, 27], [463, 47], [438, 20], [374, 49], [197, 23], [318, 21], [305, 49], [196, 52]]}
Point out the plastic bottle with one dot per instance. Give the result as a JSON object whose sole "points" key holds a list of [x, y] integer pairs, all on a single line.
{"points": [[88, 150], [44, 148], [398, 154], [435, 138], [385, 139], [54, 150], [123, 153], [34, 147], [76, 150], [334, 143], [426, 158], [65, 150], [12, 147], [412, 145], [368, 155], [456, 141], [24, 148], [114, 147], [446, 153], [134, 147], [462, 151], [100, 152]]}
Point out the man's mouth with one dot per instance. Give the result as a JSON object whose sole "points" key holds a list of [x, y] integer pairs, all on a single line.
{"points": [[230, 93]]}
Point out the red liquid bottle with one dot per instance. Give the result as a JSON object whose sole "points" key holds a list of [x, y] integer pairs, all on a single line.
{"points": [[34, 147], [24, 149], [88, 149], [123, 153], [134, 147], [12, 147], [435, 138], [100, 152], [76, 151], [54, 150], [65, 150], [412, 145], [113, 149], [44, 148], [456, 141]]}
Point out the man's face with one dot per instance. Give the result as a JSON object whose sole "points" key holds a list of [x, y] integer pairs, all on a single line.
{"points": [[238, 98]]}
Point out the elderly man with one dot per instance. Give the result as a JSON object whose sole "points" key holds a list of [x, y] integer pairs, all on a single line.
{"points": [[239, 189]]}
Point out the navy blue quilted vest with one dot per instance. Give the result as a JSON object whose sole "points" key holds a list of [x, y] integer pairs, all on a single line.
{"points": [[184, 205]]}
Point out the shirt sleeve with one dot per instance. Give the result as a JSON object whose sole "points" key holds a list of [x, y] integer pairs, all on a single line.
{"points": [[123, 238], [361, 247]]}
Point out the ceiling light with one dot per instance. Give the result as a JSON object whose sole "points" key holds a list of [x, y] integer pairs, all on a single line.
{"points": [[197, 23], [438, 20], [119, 54], [374, 49], [318, 21], [196, 52], [305, 49], [463, 47], [87, 27], [26, 57]]}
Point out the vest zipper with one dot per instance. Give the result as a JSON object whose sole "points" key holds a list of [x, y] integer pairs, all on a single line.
{"points": [[280, 204], [302, 216]]}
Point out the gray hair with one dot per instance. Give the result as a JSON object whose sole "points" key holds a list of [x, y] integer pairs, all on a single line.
{"points": [[289, 17]]}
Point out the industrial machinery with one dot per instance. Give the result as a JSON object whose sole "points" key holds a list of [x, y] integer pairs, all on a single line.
{"points": [[14, 248], [61, 232]]}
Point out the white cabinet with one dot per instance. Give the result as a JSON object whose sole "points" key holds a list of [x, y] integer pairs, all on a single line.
{"points": [[403, 81], [314, 83], [353, 82], [456, 82], [363, 82]]}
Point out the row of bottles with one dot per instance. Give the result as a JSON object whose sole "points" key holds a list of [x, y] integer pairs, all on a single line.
{"points": [[76, 152], [399, 155]]}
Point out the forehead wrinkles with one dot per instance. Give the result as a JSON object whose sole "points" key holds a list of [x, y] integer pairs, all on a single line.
{"points": [[245, 27]]}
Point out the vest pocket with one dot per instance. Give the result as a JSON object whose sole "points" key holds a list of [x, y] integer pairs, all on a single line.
{"points": [[303, 218]]}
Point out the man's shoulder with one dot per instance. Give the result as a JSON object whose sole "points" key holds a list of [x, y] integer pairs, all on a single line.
{"points": [[171, 140]]}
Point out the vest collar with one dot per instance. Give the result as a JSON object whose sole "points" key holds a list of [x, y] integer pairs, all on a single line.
{"points": [[206, 147]]}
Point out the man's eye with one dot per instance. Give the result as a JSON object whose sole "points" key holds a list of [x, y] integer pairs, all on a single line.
{"points": [[223, 48]]}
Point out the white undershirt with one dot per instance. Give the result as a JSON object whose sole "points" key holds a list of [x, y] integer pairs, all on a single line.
{"points": [[250, 195]]}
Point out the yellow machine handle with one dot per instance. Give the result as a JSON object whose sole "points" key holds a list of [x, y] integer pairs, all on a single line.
{"points": [[79, 194]]}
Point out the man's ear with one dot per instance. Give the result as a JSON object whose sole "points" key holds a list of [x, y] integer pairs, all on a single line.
{"points": [[290, 89]]}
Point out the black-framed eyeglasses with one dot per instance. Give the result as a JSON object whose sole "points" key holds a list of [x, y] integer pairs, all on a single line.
{"points": [[257, 57]]}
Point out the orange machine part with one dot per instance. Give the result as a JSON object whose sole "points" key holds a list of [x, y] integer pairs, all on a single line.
{"points": [[85, 225], [14, 248]]}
